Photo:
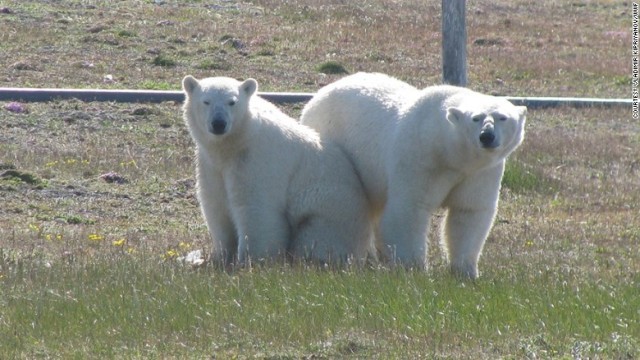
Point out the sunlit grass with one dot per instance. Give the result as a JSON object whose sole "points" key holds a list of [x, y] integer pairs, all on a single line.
{"points": [[140, 304], [96, 269]]}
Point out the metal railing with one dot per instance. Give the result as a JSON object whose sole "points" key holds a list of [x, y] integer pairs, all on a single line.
{"points": [[157, 96]]}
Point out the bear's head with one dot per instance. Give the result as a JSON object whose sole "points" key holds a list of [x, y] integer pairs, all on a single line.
{"points": [[491, 124], [216, 107]]}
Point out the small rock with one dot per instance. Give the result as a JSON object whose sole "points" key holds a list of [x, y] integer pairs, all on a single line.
{"points": [[488, 42], [6, 10], [23, 65], [194, 258], [85, 64], [96, 28], [141, 111], [16, 107], [165, 23], [108, 79], [114, 178]]}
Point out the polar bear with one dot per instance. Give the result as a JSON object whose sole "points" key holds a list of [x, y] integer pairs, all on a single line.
{"points": [[267, 185], [419, 150]]}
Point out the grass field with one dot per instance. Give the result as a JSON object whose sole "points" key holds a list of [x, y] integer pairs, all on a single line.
{"points": [[97, 199]]}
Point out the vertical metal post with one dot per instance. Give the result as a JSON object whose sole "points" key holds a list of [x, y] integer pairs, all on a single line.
{"points": [[454, 43]]}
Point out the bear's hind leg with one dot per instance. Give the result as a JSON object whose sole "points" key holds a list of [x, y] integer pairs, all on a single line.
{"points": [[331, 242], [403, 229], [263, 234]]}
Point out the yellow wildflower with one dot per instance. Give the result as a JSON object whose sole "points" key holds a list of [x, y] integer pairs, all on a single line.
{"points": [[95, 237], [170, 254]]}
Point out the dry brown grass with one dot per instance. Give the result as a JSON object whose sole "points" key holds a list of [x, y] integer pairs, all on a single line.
{"points": [[551, 48]]}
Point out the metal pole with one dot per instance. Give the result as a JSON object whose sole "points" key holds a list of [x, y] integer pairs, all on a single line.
{"points": [[155, 96], [150, 96], [454, 43]]}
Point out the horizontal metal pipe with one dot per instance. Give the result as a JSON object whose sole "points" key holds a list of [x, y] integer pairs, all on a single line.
{"points": [[155, 96], [151, 96], [548, 102]]}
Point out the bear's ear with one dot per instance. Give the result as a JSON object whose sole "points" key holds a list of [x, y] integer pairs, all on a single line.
{"points": [[249, 86], [522, 111], [189, 83], [455, 115]]}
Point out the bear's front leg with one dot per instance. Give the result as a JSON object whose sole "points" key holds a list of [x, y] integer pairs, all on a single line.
{"points": [[263, 234], [223, 235], [464, 235], [214, 206], [472, 206]]}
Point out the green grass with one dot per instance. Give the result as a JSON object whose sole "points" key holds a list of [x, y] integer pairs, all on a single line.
{"points": [[332, 67], [522, 178], [88, 268], [163, 60], [209, 64], [132, 305]]}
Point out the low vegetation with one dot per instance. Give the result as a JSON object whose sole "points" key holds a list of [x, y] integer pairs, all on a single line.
{"points": [[97, 200]]}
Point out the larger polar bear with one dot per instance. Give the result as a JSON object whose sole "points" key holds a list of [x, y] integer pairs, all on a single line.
{"points": [[418, 150], [269, 186]]}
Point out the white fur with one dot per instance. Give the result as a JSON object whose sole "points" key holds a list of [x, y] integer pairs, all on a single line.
{"points": [[267, 185], [418, 150]]}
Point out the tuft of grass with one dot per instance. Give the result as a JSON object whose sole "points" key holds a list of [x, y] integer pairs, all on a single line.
{"points": [[13, 175], [266, 51], [126, 33], [522, 178], [216, 64], [331, 67], [77, 220], [165, 61]]}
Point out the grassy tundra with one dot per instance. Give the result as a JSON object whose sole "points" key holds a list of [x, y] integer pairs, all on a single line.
{"points": [[97, 199]]}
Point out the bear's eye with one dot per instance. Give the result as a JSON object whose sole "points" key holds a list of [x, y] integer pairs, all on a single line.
{"points": [[478, 118], [206, 102], [232, 102], [502, 118]]}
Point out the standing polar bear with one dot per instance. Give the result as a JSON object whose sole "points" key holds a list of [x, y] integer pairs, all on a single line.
{"points": [[268, 186], [418, 150]]}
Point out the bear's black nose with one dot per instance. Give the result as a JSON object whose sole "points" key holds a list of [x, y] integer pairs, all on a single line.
{"points": [[487, 138], [218, 126]]}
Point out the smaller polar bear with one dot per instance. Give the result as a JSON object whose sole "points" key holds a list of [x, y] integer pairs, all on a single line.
{"points": [[267, 185], [418, 150]]}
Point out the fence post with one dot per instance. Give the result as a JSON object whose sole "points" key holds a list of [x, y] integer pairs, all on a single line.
{"points": [[454, 43]]}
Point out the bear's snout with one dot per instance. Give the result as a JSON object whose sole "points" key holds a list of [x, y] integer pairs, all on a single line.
{"points": [[218, 125], [488, 139]]}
